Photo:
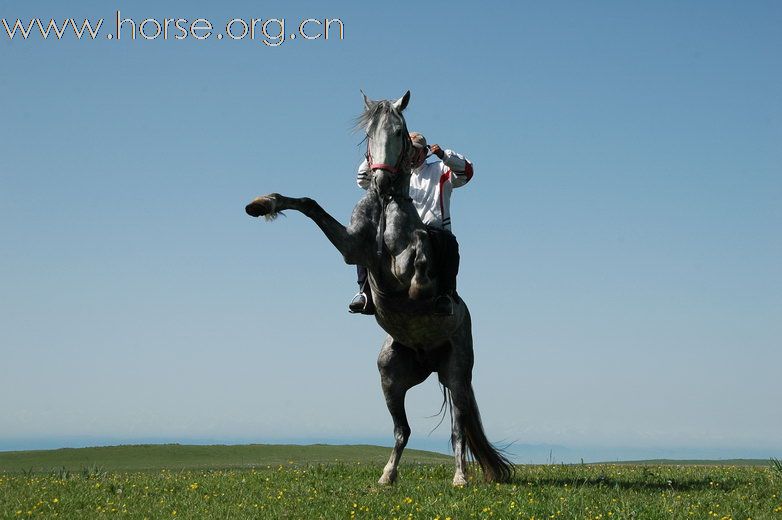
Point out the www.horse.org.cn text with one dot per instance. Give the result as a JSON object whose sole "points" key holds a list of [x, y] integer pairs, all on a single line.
{"points": [[271, 32]]}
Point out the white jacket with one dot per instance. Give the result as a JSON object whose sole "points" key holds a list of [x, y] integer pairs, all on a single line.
{"points": [[431, 185]]}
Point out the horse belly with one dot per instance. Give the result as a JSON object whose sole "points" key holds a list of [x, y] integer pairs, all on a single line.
{"points": [[419, 331]]}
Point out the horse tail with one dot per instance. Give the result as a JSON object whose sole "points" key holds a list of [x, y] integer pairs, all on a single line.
{"points": [[495, 465]]}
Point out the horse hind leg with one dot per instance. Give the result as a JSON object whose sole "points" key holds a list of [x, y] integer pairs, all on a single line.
{"points": [[468, 434], [459, 411], [399, 371], [467, 430]]}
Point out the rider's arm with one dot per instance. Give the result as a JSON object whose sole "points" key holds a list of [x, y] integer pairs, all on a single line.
{"points": [[461, 168], [364, 176]]}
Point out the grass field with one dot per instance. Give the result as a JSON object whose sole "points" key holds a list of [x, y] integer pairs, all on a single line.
{"points": [[339, 482]]}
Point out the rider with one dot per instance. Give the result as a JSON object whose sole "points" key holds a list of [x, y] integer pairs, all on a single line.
{"points": [[431, 184]]}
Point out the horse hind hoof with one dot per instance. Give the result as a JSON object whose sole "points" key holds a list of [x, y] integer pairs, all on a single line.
{"points": [[387, 479], [459, 481]]}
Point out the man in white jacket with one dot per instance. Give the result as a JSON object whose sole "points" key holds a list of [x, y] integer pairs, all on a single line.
{"points": [[431, 184]]}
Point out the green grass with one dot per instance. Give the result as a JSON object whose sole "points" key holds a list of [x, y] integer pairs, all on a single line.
{"points": [[301, 487], [694, 462]]}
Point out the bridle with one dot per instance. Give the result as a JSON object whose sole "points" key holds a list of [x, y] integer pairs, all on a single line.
{"points": [[407, 143]]}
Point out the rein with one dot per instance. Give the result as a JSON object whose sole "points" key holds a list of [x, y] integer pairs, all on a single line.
{"points": [[385, 199]]}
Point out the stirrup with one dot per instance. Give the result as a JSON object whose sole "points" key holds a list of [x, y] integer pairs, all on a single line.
{"points": [[443, 305], [358, 303]]}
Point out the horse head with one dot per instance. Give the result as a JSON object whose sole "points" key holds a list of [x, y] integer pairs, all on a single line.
{"points": [[389, 149]]}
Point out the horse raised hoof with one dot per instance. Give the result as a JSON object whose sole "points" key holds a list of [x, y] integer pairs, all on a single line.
{"points": [[262, 207]]}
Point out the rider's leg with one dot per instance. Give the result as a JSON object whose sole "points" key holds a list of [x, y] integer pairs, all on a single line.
{"points": [[361, 276], [362, 302], [447, 261], [450, 266]]}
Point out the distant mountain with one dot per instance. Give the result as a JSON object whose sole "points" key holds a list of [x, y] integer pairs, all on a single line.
{"points": [[179, 456]]}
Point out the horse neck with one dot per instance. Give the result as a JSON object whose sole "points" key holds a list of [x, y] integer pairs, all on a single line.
{"points": [[400, 194], [400, 188]]}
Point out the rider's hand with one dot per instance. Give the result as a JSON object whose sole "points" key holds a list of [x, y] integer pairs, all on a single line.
{"points": [[435, 149]]}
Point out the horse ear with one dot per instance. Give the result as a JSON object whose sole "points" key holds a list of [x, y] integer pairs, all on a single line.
{"points": [[368, 103], [401, 103]]}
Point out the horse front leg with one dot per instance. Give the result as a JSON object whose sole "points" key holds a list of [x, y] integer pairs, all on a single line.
{"points": [[348, 241]]}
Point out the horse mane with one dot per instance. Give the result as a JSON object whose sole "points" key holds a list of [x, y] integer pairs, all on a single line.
{"points": [[369, 118]]}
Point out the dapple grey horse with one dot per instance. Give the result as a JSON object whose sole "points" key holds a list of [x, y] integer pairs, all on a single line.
{"points": [[387, 236]]}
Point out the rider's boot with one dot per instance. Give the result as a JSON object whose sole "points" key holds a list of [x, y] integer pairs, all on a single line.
{"points": [[362, 304]]}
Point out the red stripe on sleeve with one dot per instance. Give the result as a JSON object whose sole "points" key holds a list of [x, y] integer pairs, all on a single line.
{"points": [[443, 179], [468, 170]]}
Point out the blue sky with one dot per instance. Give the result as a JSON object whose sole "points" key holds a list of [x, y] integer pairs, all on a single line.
{"points": [[620, 240]]}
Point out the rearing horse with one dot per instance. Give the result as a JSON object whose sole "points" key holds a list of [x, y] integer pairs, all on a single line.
{"points": [[387, 236]]}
